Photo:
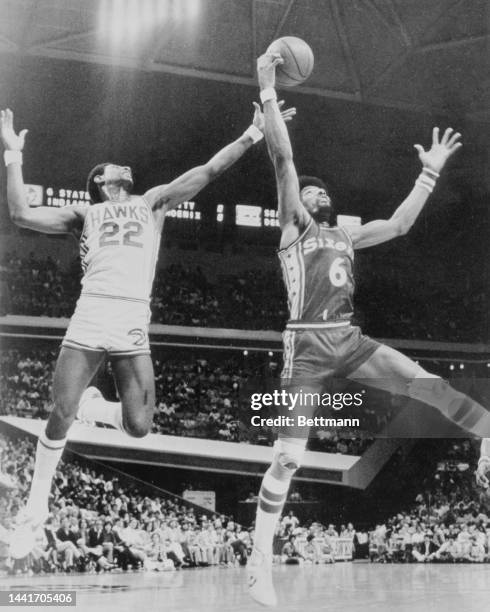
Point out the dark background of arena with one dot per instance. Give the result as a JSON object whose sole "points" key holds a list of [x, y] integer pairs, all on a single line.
{"points": [[81, 114]]}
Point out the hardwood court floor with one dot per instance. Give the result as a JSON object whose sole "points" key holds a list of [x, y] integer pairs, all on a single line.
{"points": [[344, 587]]}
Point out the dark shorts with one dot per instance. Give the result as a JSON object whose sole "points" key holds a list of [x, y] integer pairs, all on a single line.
{"points": [[315, 361], [319, 354]]}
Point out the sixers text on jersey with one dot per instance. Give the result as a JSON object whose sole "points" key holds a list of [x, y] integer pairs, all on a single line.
{"points": [[317, 271]]}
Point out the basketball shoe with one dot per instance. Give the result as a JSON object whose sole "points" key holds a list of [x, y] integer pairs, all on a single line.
{"points": [[90, 393], [260, 585]]}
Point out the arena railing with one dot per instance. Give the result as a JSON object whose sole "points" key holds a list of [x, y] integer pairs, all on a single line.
{"points": [[46, 328]]}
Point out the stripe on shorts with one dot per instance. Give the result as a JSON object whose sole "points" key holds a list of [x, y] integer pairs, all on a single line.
{"points": [[289, 340], [81, 347]]}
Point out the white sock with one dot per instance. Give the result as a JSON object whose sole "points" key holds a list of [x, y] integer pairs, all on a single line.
{"points": [[102, 411], [272, 496], [48, 454]]}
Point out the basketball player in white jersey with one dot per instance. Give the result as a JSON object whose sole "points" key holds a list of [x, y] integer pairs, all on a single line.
{"points": [[119, 240], [320, 342]]}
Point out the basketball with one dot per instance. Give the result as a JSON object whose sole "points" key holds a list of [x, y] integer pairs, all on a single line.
{"points": [[298, 60]]}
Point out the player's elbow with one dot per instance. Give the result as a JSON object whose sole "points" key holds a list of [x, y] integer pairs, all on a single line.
{"points": [[401, 227], [19, 218], [210, 171], [281, 158]]}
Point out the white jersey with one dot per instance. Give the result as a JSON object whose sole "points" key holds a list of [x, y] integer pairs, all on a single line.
{"points": [[119, 249]]}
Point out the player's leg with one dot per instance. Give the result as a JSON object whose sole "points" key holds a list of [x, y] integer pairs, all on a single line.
{"points": [[389, 369], [74, 370], [287, 457], [135, 382], [302, 362], [133, 372]]}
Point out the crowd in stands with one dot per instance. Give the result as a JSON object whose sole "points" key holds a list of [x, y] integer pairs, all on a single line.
{"points": [[26, 383], [38, 286], [199, 399], [98, 523], [194, 398], [314, 543], [449, 522], [254, 299]]}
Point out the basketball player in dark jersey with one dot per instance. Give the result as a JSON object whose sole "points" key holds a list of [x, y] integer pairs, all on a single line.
{"points": [[319, 341]]}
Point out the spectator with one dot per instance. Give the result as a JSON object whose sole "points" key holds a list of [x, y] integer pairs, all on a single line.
{"points": [[290, 553]]}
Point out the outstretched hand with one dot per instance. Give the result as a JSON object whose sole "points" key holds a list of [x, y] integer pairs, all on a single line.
{"points": [[266, 69], [10, 140], [436, 157], [258, 119]]}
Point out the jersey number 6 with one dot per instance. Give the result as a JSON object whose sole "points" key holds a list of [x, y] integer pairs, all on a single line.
{"points": [[337, 274]]}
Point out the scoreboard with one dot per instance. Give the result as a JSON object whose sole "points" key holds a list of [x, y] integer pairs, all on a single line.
{"points": [[255, 216], [65, 197], [248, 215], [59, 197], [239, 215]]}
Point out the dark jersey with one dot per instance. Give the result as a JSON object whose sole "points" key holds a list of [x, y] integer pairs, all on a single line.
{"points": [[317, 271]]}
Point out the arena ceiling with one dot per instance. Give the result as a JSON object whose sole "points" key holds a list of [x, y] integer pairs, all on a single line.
{"points": [[412, 54]]}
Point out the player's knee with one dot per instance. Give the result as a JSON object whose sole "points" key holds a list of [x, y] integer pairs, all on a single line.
{"points": [[287, 458], [136, 428]]}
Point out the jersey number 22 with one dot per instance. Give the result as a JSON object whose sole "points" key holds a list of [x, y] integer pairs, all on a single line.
{"points": [[113, 236]]}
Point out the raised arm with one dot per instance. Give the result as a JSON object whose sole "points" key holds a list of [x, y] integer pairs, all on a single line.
{"points": [[433, 161], [189, 184], [43, 219], [293, 217]]}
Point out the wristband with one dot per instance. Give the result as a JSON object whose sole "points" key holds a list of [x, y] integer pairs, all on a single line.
{"points": [[269, 93], [254, 133], [12, 157], [430, 172], [426, 180]]}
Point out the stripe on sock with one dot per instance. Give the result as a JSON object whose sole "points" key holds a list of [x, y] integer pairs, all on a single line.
{"points": [[468, 419], [269, 508], [271, 497]]}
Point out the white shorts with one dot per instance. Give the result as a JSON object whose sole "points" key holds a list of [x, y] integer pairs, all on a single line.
{"points": [[113, 325]]}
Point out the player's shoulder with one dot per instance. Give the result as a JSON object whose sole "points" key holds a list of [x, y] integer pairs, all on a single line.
{"points": [[136, 198], [296, 231], [347, 231], [156, 195]]}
